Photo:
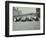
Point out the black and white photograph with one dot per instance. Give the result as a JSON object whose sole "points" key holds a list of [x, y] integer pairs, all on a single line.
{"points": [[24, 18]]}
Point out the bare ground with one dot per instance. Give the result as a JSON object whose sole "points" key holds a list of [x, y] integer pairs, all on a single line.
{"points": [[32, 25]]}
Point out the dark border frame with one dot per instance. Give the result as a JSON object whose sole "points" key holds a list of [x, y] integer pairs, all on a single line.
{"points": [[7, 18]]}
